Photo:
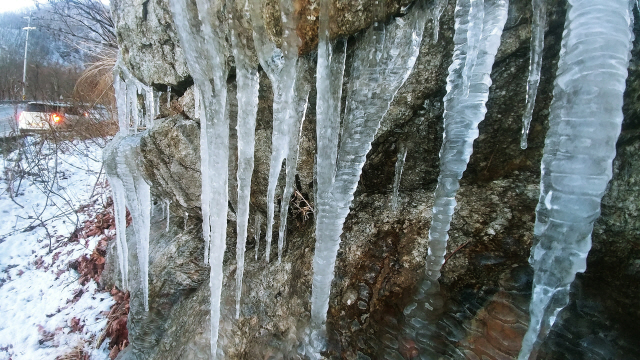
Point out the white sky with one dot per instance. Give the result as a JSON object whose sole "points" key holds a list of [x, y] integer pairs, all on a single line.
{"points": [[13, 5]]}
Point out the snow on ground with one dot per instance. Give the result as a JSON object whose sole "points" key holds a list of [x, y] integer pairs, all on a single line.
{"points": [[44, 311]]}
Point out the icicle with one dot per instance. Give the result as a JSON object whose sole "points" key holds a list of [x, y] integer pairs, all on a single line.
{"points": [[382, 62], [436, 12], [402, 154], [186, 218], [149, 106], [168, 97], [121, 99], [121, 159], [166, 204], [538, 25], [206, 54], [461, 118], [299, 110], [475, 15], [120, 216], [257, 222], [247, 93], [280, 66], [584, 124], [156, 101]]}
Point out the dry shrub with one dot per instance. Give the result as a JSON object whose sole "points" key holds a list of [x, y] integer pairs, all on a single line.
{"points": [[117, 324], [77, 353]]}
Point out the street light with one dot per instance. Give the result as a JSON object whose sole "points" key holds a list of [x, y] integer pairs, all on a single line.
{"points": [[24, 69]]}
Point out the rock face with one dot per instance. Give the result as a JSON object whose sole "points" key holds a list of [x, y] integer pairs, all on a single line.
{"points": [[381, 258]]}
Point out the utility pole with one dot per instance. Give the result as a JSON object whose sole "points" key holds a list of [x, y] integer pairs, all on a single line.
{"points": [[24, 69]]}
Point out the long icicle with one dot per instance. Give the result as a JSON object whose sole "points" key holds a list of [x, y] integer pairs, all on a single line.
{"points": [[538, 25], [299, 110], [248, 84], [206, 54], [382, 62], [462, 114], [584, 123]]}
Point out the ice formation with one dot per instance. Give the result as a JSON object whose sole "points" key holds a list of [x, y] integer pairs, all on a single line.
{"points": [[381, 63], [538, 25], [120, 216], [247, 79], [584, 124], [130, 115], [575, 169], [121, 159], [206, 54], [402, 155], [282, 67], [474, 30], [462, 113], [437, 8]]}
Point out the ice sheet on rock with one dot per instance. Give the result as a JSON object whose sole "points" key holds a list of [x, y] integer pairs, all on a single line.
{"points": [[247, 79], [584, 124], [538, 26], [381, 63], [121, 159], [402, 155], [281, 66], [462, 114], [202, 36]]}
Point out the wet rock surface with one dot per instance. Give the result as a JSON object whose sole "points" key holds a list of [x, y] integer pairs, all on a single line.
{"points": [[485, 285]]}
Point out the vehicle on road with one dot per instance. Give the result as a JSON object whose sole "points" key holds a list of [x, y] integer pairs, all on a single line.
{"points": [[49, 116]]}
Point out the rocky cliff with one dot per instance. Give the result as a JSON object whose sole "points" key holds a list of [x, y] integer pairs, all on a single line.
{"points": [[485, 280]]}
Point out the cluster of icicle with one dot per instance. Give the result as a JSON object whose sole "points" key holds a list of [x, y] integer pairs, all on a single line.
{"points": [[584, 125], [585, 119], [121, 161]]}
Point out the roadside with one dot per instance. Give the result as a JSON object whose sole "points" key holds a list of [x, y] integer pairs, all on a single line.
{"points": [[53, 235]]}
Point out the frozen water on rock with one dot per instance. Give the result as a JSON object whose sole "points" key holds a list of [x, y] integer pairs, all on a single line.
{"points": [[402, 155], [475, 11], [437, 8], [584, 124], [127, 88], [121, 158], [281, 66], [462, 114], [247, 93], [538, 25], [202, 36], [120, 216], [381, 63]]}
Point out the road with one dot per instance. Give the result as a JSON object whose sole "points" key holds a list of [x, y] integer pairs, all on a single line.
{"points": [[7, 120]]}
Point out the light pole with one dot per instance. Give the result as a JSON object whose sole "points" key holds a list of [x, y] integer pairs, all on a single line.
{"points": [[24, 69]]}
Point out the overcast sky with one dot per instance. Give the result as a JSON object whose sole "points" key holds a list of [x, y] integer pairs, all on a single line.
{"points": [[13, 5]]}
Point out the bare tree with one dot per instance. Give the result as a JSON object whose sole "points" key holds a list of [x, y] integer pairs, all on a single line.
{"points": [[85, 23]]}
